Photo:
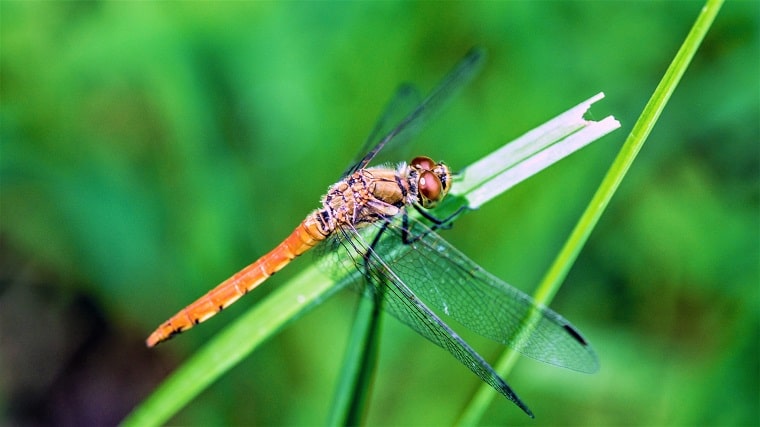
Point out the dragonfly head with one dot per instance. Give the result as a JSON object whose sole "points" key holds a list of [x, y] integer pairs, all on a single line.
{"points": [[433, 181]]}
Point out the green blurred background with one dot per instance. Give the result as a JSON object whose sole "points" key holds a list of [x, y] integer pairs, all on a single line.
{"points": [[150, 150]]}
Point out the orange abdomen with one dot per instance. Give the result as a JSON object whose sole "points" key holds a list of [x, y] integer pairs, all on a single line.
{"points": [[303, 238]]}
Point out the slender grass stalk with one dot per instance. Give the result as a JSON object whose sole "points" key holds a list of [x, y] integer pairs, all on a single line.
{"points": [[553, 278], [358, 367], [310, 288]]}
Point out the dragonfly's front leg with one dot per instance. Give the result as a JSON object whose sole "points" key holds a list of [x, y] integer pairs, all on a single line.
{"points": [[436, 223]]}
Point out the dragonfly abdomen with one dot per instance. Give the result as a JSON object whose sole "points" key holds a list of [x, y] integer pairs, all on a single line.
{"points": [[303, 238]]}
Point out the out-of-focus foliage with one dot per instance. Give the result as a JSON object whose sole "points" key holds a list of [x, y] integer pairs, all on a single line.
{"points": [[149, 150]]}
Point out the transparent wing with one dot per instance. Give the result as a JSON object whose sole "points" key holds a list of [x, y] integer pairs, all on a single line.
{"points": [[412, 122], [349, 250], [447, 281], [404, 101]]}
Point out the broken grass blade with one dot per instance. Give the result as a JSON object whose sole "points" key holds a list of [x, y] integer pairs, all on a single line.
{"points": [[531, 153]]}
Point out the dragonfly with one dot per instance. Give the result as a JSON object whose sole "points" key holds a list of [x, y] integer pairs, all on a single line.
{"points": [[376, 221]]}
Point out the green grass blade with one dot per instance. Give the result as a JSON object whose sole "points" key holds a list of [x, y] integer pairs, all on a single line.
{"points": [[568, 254], [358, 367]]}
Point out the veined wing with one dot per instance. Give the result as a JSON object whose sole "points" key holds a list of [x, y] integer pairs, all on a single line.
{"points": [[406, 99], [458, 77], [349, 250], [448, 281]]}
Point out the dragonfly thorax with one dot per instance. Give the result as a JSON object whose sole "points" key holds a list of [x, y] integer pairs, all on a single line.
{"points": [[371, 194]]}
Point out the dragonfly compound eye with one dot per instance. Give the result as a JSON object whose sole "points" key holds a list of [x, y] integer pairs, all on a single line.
{"points": [[423, 163], [430, 189]]}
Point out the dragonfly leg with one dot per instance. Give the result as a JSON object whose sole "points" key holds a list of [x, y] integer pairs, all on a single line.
{"points": [[439, 223], [436, 223], [372, 246]]}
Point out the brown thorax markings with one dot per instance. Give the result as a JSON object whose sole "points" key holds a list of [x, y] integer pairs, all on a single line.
{"points": [[367, 195]]}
